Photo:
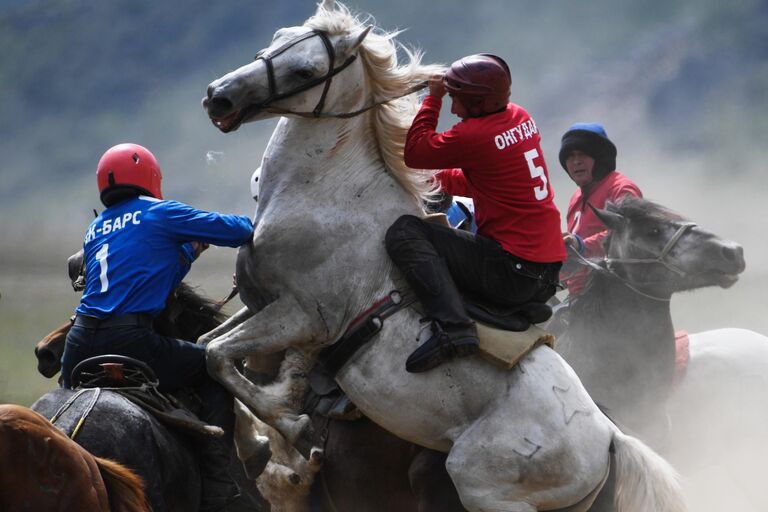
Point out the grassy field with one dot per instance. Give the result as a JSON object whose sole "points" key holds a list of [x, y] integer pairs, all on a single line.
{"points": [[37, 299]]}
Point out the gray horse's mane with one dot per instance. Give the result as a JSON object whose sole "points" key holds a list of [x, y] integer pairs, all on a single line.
{"points": [[388, 79]]}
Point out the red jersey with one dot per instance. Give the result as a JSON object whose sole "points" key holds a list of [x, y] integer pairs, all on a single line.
{"points": [[582, 220], [497, 161]]}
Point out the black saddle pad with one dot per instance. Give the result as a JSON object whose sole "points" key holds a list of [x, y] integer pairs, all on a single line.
{"points": [[136, 382], [515, 318]]}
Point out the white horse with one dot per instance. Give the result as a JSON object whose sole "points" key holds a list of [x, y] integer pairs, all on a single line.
{"points": [[621, 343], [332, 182]]}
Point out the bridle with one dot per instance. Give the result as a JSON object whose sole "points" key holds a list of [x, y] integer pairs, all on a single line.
{"points": [[661, 258], [607, 266], [268, 55]]}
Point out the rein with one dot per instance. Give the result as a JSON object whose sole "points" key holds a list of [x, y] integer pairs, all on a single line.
{"points": [[606, 268], [317, 112], [84, 415], [354, 113]]}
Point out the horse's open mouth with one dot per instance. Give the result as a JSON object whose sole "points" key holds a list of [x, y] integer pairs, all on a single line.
{"points": [[229, 123], [724, 280]]}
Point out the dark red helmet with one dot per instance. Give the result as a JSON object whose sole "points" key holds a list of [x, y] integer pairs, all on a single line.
{"points": [[480, 82], [128, 167]]}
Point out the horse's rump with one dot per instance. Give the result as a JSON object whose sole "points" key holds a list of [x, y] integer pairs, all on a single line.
{"points": [[113, 427], [48, 471]]}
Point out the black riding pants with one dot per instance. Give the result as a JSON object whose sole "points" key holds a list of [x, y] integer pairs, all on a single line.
{"points": [[478, 265], [176, 363]]}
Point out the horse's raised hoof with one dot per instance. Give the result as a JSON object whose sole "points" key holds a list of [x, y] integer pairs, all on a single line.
{"points": [[255, 464], [302, 436], [316, 457]]}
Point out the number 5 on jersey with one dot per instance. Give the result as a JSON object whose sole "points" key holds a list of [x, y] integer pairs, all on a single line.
{"points": [[537, 171]]}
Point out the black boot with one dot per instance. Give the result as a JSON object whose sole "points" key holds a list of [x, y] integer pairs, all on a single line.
{"points": [[220, 469], [218, 488], [445, 344], [409, 245], [454, 334]]}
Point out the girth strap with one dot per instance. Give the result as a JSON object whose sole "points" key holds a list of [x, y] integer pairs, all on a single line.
{"points": [[361, 330]]}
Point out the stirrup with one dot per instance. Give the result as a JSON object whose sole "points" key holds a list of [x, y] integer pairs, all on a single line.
{"points": [[441, 347]]}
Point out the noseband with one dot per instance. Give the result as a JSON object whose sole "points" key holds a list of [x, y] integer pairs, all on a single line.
{"points": [[661, 258], [317, 112], [268, 55]]}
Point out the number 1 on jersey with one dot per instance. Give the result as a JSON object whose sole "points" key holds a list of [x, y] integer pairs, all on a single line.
{"points": [[101, 257], [537, 171]]}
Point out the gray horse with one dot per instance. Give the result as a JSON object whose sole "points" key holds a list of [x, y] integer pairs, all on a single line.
{"points": [[332, 181]]}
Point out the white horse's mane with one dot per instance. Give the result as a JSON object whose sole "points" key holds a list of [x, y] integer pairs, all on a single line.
{"points": [[388, 79]]}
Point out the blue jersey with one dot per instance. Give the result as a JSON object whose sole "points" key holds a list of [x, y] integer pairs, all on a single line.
{"points": [[137, 252], [457, 216]]}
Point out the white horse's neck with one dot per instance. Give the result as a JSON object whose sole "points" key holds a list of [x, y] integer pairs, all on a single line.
{"points": [[333, 159], [325, 179]]}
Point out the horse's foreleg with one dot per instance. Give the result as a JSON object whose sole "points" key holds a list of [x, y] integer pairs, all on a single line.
{"points": [[276, 327], [253, 449], [229, 324]]}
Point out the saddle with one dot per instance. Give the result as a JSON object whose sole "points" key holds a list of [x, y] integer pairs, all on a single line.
{"points": [[506, 334], [135, 381]]}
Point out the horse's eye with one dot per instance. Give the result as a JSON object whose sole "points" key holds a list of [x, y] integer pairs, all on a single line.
{"points": [[655, 232], [303, 73]]}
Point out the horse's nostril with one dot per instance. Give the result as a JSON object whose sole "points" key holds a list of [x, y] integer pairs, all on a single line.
{"points": [[45, 356], [734, 255], [219, 105], [733, 252]]}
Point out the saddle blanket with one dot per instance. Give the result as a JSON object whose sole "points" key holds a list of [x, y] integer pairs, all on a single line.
{"points": [[682, 357], [506, 348]]}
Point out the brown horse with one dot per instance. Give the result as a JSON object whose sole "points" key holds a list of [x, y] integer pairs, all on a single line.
{"points": [[42, 469]]}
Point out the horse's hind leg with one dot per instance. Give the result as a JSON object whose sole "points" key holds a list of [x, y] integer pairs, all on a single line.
{"points": [[279, 325], [507, 463]]}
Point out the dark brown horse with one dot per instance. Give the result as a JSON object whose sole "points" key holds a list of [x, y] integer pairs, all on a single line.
{"points": [[42, 469]]}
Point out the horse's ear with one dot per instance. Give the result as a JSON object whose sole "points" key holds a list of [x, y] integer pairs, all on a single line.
{"points": [[328, 5], [349, 43], [611, 219]]}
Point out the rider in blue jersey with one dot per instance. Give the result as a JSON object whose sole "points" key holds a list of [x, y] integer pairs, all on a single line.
{"points": [[136, 252]]}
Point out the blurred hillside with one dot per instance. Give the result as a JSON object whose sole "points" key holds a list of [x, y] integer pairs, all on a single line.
{"points": [[680, 85], [79, 76]]}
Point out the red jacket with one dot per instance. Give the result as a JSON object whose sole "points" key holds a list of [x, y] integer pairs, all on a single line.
{"points": [[582, 221], [497, 161]]}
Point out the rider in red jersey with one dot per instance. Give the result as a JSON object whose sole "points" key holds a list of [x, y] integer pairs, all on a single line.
{"points": [[493, 155], [589, 157]]}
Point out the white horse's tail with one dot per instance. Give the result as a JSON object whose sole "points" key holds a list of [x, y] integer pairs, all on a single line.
{"points": [[644, 480]]}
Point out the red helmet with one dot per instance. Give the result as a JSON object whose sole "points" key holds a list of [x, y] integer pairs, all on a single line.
{"points": [[480, 82], [128, 167]]}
